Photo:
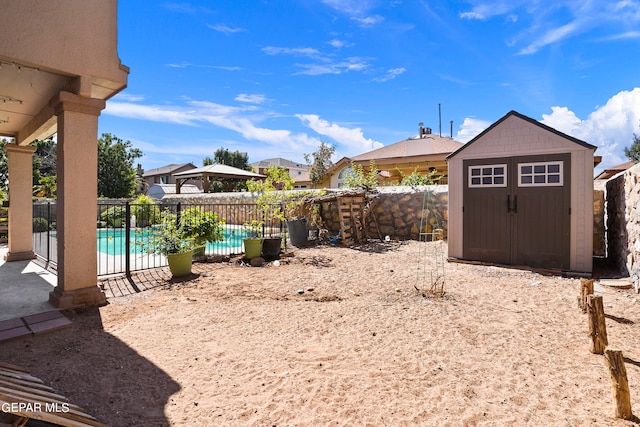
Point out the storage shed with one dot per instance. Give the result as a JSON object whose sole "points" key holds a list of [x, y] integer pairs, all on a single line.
{"points": [[521, 193]]}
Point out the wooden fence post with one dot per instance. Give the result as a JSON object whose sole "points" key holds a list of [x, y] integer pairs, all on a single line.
{"points": [[586, 288], [619, 383], [597, 326]]}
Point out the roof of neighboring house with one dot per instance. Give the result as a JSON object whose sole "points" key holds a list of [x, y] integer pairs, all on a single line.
{"points": [[302, 177], [429, 144], [279, 161], [614, 170], [168, 169]]}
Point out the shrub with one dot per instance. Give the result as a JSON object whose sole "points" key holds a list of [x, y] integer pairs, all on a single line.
{"points": [[113, 216], [146, 211], [202, 226], [40, 224]]}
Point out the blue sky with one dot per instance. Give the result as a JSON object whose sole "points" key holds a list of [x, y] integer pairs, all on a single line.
{"points": [[274, 78]]}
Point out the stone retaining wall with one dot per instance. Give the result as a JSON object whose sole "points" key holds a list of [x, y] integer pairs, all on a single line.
{"points": [[398, 210], [623, 222]]}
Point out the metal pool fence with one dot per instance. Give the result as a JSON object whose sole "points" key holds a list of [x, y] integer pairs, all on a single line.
{"points": [[124, 229]]}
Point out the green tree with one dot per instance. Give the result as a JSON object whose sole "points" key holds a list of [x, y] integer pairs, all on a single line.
{"points": [[45, 159], [116, 173], [4, 169], [320, 162], [415, 178], [235, 159], [633, 153], [47, 187], [361, 179], [223, 156]]}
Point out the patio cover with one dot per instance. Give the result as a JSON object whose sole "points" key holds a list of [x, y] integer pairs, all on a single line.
{"points": [[218, 171]]}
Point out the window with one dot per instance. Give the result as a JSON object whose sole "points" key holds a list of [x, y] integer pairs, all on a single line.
{"points": [[488, 176], [344, 173], [540, 174]]}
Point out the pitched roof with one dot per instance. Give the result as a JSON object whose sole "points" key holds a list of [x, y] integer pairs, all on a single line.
{"points": [[528, 119], [279, 161], [167, 169], [220, 171], [614, 170], [429, 144]]}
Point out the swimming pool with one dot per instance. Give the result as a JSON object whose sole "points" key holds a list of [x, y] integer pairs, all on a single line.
{"points": [[111, 241]]}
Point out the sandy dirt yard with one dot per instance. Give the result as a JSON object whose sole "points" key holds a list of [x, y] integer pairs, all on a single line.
{"points": [[234, 345]]}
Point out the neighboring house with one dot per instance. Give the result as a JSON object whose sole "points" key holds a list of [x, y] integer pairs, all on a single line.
{"points": [[298, 171], [424, 153], [302, 180], [164, 175], [614, 170], [158, 191]]}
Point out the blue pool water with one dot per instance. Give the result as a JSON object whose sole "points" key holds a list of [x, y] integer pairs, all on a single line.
{"points": [[111, 241]]}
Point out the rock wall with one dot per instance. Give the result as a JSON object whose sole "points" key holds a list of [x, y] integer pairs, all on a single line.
{"points": [[398, 210], [599, 241], [623, 222]]}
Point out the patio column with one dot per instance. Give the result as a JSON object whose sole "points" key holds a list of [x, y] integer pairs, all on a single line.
{"points": [[77, 201], [20, 165]]}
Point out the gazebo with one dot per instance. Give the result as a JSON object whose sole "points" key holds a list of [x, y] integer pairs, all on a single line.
{"points": [[218, 171]]}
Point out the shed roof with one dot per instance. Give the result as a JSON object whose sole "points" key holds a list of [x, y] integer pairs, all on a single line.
{"points": [[528, 119]]}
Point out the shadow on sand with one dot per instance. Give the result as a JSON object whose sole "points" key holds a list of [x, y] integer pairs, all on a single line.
{"points": [[90, 366]]}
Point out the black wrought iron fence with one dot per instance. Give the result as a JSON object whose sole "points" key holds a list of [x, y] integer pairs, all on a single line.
{"points": [[125, 229], [44, 231]]}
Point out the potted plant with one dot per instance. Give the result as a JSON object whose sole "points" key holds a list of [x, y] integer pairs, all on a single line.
{"points": [[277, 205], [201, 226], [170, 239], [253, 242]]}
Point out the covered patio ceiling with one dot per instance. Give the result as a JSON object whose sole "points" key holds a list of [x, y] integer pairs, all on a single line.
{"points": [[24, 91]]}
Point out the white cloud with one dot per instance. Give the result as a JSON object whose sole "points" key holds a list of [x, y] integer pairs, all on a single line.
{"points": [[391, 74], [368, 21], [552, 22], [338, 44], [552, 36], [610, 127], [470, 128], [295, 51], [223, 28], [129, 97], [241, 120], [339, 67], [251, 99], [352, 141]]}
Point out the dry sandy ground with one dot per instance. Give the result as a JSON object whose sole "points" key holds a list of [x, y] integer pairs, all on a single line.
{"points": [[234, 345]]}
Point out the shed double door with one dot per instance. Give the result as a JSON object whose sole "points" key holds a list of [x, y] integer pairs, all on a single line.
{"points": [[516, 210]]}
